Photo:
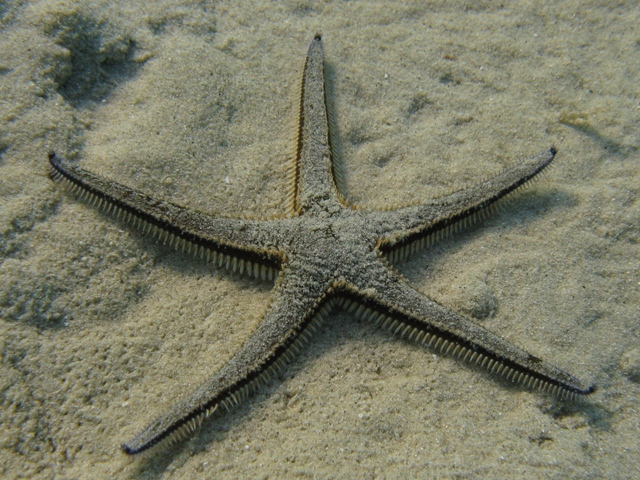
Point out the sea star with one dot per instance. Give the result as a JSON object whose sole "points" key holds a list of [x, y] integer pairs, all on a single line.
{"points": [[323, 254]]}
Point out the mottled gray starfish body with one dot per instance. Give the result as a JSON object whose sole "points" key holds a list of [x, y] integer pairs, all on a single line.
{"points": [[323, 254]]}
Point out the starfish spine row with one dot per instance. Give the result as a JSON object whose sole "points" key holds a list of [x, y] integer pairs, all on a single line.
{"points": [[426, 236], [217, 258], [184, 427], [453, 348]]}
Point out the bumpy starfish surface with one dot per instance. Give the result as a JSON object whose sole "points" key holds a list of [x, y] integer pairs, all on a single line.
{"points": [[323, 254]]}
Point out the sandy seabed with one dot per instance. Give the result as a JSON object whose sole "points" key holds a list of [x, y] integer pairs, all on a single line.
{"points": [[102, 329]]}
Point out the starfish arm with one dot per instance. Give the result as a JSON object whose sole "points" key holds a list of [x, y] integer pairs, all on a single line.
{"points": [[406, 229], [234, 243], [299, 304], [314, 180], [392, 303]]}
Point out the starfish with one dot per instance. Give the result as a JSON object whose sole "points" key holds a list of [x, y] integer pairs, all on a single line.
{"points": [[323, 253]]}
